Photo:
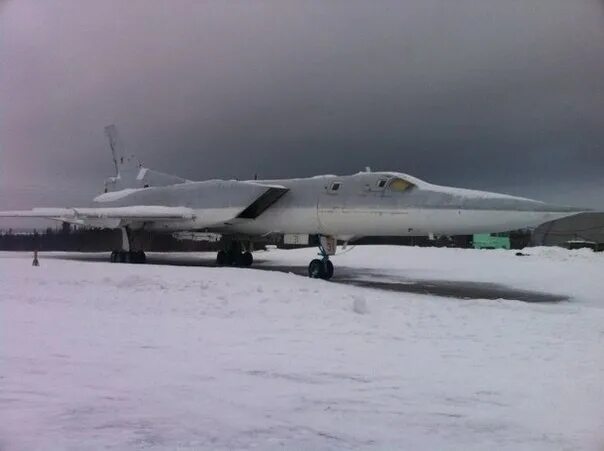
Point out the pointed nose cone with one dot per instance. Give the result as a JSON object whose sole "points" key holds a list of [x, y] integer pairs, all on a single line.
{"points": [[518, 212], [547, 212]]}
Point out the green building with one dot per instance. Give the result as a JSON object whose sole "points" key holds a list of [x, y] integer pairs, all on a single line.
{"points": [[491, 241]]}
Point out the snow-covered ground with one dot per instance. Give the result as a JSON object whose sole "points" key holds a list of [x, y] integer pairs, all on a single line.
{"points": [[106, 356]]}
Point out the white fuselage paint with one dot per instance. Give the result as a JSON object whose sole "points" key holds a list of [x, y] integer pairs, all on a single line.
{"points": [[361, 206], [377, 222]]}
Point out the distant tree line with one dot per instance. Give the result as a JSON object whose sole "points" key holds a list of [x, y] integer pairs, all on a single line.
{"points": [[72, 239], [519, 239]]}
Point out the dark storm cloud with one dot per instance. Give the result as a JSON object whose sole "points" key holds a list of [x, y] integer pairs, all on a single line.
{"points": [[486, 94]]}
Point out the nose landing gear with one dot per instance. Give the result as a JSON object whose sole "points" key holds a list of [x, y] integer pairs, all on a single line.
{"points": [[323, 268], [320, 269]]}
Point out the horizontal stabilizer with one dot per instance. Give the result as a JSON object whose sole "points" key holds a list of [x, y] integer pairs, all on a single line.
{"points": [[142, 212], [36, 213], [216, 202]]}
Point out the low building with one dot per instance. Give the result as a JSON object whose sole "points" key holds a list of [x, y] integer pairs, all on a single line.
{"points": [[491, 241]]}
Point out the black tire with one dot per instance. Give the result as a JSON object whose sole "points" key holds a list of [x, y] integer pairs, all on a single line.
{"points": [[316, 269], [247, 259], [124, 257], [138, 257], [221, 258], [328, 270], [233, 258]]}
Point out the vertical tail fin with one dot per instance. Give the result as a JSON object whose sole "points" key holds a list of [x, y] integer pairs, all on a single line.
{"points": [[121, 159], [129, 172]]}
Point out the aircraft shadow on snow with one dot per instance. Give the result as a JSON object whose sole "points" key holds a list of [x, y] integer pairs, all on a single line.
{"points": [[362, 277]]}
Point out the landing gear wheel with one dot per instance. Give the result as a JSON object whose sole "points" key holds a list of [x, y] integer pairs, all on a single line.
{"points": [[138, 257], [328, 268], [320, 269], [233, 258], [114, 257], [221, 258], [247, 259], [316, 269]]}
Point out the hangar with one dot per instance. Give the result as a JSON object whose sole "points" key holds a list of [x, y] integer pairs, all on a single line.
{"points": [[585, 227]]}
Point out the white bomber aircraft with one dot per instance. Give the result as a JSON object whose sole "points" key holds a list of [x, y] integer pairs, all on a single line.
{"points": [[328, 206]]}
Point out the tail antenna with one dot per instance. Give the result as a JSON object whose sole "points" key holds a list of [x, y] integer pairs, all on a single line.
{"points": [[112, 136], [118, 151]]}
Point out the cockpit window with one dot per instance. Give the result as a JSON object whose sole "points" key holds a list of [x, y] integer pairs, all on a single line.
{"points": [[381, 183], [335, 186], [399, 185]]}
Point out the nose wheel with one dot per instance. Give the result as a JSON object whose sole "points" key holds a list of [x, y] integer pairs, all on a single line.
{"points": [[320, 269], [323, 268]]}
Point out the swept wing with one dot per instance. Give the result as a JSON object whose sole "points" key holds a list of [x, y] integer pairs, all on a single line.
{"points": [[245, 202]]}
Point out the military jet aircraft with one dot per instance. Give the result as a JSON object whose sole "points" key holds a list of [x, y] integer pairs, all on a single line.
{"points": [[328, 206]]}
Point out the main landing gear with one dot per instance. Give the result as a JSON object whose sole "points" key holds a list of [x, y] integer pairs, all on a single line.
{"points": [[323, 268], [126, 255], [235, 254]]}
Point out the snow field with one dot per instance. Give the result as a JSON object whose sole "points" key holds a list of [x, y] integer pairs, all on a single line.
{"points": [[102, 356]]}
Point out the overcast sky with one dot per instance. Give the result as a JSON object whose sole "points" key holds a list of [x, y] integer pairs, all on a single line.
{"points": [[488, 94]]}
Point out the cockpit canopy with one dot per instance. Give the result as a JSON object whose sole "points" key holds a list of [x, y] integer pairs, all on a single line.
{"points": [[394, 183], [384, 182], [399, 185]]}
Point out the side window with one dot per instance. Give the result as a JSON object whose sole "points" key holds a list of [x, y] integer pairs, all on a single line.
{"points": [[335, 187]]}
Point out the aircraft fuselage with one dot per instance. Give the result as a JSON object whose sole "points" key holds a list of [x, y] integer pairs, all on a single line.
{"points": [[364, 204]]}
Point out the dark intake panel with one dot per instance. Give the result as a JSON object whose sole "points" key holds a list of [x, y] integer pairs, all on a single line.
{"points": [[261, 204]]}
